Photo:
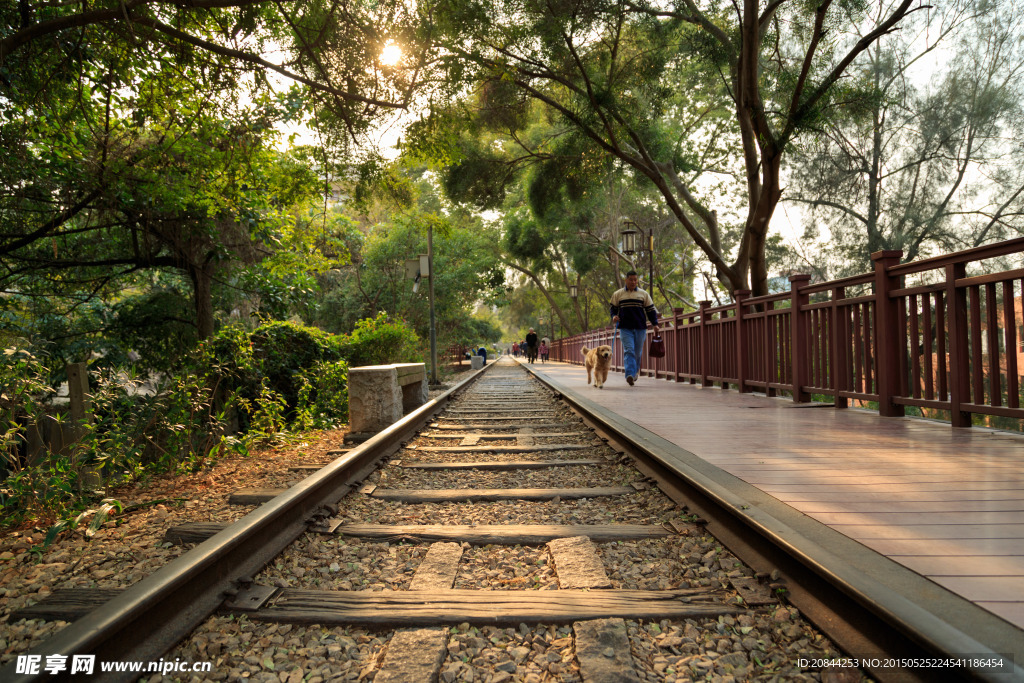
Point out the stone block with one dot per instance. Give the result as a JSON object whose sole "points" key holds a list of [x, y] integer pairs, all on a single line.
{"points": [[374, 398], [476, 362], [412, 377]]}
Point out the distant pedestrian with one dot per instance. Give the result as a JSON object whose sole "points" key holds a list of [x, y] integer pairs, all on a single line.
{"points": [[631, 308], [531, 345], [515, 349], [543, 349]]}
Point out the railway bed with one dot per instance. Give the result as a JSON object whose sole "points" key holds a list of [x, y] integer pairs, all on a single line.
{"points": [[492, 536]]}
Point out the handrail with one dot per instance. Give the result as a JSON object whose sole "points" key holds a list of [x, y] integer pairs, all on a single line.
{"points": [[956, 346]]}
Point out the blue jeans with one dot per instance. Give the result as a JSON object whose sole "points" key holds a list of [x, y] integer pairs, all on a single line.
{"points": [[632, 347]]}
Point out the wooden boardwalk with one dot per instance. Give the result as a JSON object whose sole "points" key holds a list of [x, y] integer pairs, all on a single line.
{"points": [[948, 504]]}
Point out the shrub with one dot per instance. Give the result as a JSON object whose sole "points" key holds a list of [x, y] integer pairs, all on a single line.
{"points": [[174, 430], [323, 396], [378, 341]]}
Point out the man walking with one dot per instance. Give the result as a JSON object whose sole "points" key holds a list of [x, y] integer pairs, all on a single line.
{"points": [[631, 308]]}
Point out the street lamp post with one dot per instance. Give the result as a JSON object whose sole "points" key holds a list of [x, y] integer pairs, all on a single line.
{"points": [[433, 321], [630, 246]]}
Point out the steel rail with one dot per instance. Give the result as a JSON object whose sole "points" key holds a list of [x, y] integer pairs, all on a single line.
{"points": [[154, 614], [856, 610]]}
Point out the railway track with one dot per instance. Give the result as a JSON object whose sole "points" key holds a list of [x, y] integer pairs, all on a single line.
{"points": [[491, 536]]}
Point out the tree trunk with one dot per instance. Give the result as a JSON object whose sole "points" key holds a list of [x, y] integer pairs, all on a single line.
{"points": [[202, 292], [757, 224]]}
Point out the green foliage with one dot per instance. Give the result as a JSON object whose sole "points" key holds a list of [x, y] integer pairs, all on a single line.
{"points": [[379, 341], [176, 429], [323, 396], [282, 350], [156, 325]]}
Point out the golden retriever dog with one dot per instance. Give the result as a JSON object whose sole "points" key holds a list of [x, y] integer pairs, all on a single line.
{"points": [[597, 361]]}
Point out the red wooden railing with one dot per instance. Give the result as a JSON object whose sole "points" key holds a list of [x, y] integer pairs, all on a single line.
{"points": [[955, 344]]}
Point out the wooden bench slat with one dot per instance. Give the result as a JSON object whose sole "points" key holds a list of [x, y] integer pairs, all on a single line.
{"points": [[505, 534]]}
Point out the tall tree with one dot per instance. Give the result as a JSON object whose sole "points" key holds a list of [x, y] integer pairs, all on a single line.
{"points": [[932, 166], [647, 84]]}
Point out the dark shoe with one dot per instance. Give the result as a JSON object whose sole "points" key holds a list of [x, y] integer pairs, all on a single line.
{"points": [[630, 380]]}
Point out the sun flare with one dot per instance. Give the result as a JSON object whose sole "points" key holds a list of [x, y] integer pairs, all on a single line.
{"points": [[390, 55]]}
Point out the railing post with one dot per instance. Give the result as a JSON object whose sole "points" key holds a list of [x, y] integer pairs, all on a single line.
{"points": [[704, 343], [677, 349], [798, 332], [959, 356], [839, 341], [742, 361], [887, 334]]}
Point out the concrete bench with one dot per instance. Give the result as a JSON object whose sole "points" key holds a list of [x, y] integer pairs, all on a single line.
{"points": [[379, 395]]}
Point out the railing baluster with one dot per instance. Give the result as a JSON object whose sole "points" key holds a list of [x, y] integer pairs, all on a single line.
{"points": [[940, 342], [902, 388], [858, 370], [915, 357], [1010, 341], [977, 364], [929, 366], [995, 386]]}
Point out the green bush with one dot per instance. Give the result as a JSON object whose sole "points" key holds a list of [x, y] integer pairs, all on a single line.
{"points": [[323, 396], [175, 430], [378, 341]]}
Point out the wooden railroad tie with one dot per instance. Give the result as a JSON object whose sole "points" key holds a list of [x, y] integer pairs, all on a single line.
{"points": [[505, 449], [493, 426], [453, 495], [430, 607], [480, 607], [501, 464], [477, 534], [504, 534], [254, 496]]}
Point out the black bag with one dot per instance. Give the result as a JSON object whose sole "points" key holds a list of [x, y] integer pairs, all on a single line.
{"points": [[657, 348]]}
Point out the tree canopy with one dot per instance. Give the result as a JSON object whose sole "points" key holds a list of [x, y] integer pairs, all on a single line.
{"points": [[684, 95]]}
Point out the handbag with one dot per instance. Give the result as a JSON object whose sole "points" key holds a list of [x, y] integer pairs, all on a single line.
{"points": [[657, 347]]}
